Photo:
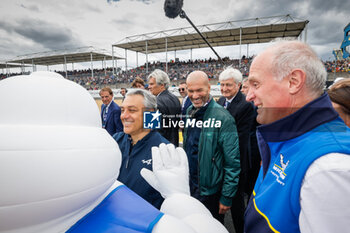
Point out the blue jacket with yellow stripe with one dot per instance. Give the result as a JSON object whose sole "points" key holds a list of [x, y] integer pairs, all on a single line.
{"points": [[288, 147]]}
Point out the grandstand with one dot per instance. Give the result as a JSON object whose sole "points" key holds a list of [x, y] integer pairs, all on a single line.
{"points": [[249, 31], [56, 57], [259, 30]]}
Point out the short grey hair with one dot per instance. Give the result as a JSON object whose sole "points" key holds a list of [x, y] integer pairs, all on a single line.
{"points": [[229, 73], [150, 101], [292, 54], [161, 78]]}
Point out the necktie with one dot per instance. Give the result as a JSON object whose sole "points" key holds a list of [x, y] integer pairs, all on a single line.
{"points": [[104, 117], [226, 104]]}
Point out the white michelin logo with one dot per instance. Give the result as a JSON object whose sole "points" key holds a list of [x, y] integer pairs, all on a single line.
{"points": [[148, 161]]}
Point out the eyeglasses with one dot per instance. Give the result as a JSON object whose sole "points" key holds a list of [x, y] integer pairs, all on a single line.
{"points": [[181, 89]]}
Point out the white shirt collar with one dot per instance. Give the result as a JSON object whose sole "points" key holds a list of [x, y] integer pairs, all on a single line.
{"points": [[230, 100], [108, 106]]}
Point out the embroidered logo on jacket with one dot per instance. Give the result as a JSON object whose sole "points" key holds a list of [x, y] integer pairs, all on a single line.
{"points": [[148, 161], [280, 175]]}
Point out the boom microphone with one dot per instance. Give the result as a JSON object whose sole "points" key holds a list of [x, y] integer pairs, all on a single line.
{"points": [[173, 8]]}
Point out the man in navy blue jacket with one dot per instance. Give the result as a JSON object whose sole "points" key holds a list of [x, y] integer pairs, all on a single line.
{"points": [[110, 112], [135, 143]]}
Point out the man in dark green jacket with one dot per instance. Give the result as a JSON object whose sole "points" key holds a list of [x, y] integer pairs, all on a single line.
{"points": [[211, 144]]}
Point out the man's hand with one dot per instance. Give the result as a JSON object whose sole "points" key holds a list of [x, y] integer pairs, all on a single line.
{"points": [[223, 209], [170, 170]]}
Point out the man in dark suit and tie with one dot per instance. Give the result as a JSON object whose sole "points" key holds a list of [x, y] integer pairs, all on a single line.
{"points": [[186, 102], [168, 104], [243, 112], [110, 112]]}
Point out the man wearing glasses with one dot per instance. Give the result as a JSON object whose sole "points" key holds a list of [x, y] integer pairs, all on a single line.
{"points": [[186, 102]]}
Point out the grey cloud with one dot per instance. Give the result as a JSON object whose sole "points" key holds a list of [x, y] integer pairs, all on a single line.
{"points": [[45, 35], [326, 31], [321, 6], [322, 28], [92, 8], [10, 49], [125, 22], [33, 8]]}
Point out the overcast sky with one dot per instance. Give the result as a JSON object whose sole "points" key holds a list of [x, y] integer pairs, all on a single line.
{"points": [[30, 26]]}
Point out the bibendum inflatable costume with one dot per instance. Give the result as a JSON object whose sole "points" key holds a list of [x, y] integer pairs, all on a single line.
{"points": [[58, 168]]}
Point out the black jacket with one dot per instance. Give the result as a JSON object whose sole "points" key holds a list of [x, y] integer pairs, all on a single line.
{"points": [[169, 105]]}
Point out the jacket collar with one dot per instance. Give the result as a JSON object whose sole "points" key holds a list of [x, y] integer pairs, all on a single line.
{"points": [[142, 140], [163, 92], [235, 100], [305, 119]]}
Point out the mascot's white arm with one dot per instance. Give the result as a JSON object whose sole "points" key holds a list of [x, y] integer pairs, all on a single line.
{"points": [[170, 177]]}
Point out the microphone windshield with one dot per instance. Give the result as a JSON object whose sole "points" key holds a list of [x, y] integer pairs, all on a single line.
{"points": [[173, 8]]}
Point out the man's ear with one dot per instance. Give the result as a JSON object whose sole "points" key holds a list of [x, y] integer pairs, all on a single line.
{"points": [[296, 81]]}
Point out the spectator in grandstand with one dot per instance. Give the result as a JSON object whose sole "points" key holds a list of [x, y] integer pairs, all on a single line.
{"points": [[212, 149], [123, 92], [135, 143], [110, 112], [168, 104], [243, 113], [340, 97], [186, 102], [138, 83], [245, 86], [304, 180]]}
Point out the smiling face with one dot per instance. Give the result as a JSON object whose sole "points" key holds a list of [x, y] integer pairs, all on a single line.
{"points": [[132, 116], [106, 97], [229, 88], [183, 90], [271, 96], [198, 88]]}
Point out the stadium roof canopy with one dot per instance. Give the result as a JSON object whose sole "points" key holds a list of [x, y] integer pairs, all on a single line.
{"points": [[250, 31], [56, 57], [4, 65]]}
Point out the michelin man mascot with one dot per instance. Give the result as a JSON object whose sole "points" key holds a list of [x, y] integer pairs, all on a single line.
{"points": [[58, 168]]}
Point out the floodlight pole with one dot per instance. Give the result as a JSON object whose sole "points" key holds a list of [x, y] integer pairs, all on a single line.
{"points": [[184, 16], [113, 61], [240, 47]]}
